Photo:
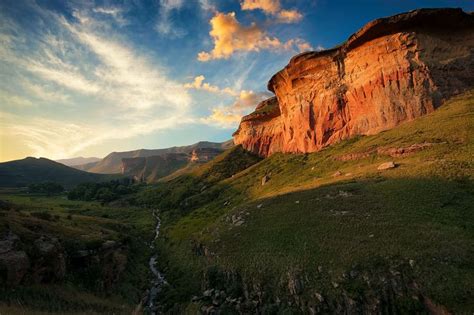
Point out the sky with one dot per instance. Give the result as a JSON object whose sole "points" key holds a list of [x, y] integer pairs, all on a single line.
{"points": [[86, 78]]}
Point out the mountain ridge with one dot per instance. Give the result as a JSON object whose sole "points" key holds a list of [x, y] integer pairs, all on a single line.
{"points": [[31, 170]]}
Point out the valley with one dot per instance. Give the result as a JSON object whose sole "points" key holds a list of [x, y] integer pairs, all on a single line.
{"points": [[348, 191]]}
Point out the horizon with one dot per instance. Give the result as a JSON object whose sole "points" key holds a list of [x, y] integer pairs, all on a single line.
{"points": [[85, 80]]}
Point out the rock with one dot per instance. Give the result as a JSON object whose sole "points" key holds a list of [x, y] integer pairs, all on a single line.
{"points": [[297, 201], [14, 262], [109, 244], [386, 166], [337, 173], [50, 263], [208, 293], [388, 72], [265, 179], [259, 206], [411, 262]]}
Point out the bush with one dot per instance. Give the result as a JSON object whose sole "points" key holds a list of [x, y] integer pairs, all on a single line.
{"points": [[48, 188], [104, 192]]}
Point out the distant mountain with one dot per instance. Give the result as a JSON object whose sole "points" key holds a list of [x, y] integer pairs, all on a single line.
{"points": [[77, 161], [152, 168], [20, 173], [112, 163]]}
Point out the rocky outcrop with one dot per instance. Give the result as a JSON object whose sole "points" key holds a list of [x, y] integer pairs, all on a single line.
{"points": [[204, 154], [152, 168], [392, 70]]}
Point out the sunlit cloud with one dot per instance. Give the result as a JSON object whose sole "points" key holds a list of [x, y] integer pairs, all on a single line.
{"points": [[85, 59], [230, 116], [199, 84], [273, 8], [229, 36]]}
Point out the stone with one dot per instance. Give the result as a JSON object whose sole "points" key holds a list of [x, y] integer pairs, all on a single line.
{"points": [[259, 206], [390, 71], [337, 173], [386, 166], [265, 179]]}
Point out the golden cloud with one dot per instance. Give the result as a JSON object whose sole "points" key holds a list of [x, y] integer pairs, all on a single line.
{"points": [[230, 36], [231, 115], [199, 84], [272, 7], [268, 6]]}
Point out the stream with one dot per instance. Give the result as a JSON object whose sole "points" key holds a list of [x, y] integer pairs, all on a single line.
{"points": [[158, 279]]}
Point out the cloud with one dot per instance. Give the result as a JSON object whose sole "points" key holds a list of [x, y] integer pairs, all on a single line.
{"points": [[229, 36], [10, 99], [115, 92], [273, 7], [59, 139], [268, 6], [44, 93], [198, 84], [165, 24], [289, 16], [230, 116], [115, 12]]}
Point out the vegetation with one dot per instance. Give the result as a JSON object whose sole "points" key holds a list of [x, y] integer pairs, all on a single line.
{"points": [[80, 227], [21, 173], [104, 191], [48, 188], [330, 221]]}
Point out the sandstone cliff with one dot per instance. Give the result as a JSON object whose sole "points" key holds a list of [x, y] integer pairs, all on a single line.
{"points": [[392, 70]]}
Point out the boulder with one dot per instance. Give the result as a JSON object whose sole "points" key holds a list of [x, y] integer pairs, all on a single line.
{"points": [[14, 262], [386, 166]]}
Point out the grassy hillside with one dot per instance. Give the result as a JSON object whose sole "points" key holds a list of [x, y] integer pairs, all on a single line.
{"points": [[31, 170], [328, 231], [104, 249]]}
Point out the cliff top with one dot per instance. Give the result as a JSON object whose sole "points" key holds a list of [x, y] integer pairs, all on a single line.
{"points": [[434, 18]]}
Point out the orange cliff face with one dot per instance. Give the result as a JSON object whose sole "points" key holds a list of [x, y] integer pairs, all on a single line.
{"points": [[392, 70]]}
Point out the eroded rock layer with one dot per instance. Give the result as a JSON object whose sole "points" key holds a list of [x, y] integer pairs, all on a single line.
{"points": [[392, 70]]}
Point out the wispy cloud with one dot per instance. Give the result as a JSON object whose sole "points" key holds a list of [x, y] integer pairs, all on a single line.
{"points": [[85, 59], [165, 23]]}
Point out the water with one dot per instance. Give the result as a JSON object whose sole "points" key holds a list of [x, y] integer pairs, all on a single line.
{"points": [[158, 279]]}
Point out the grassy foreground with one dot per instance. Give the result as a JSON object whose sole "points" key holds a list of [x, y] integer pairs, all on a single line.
{"points": [[328, 231], [108, 280]]}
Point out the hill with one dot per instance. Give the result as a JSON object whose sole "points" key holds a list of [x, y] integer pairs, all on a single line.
{"points": [[331, 231], [78, 161], [31, 170], [112, 163]]}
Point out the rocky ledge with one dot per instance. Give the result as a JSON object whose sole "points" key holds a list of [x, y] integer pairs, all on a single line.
{"points": [[393, 70]]}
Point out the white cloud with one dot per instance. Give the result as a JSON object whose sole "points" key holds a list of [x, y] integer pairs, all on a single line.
{"points": [[118, 92], [165, 24], [116, 13]]}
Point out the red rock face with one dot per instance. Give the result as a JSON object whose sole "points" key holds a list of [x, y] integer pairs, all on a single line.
{"points": [[393, 70]]}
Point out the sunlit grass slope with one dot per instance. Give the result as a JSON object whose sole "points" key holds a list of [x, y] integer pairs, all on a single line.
{"points": [[332, 220]]}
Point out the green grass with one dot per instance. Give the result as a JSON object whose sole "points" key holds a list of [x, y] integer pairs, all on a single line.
{"points": [[78, 225], [364, 219]]}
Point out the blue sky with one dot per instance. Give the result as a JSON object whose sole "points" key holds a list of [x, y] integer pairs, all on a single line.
{"points": [[85, 78]]}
